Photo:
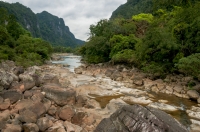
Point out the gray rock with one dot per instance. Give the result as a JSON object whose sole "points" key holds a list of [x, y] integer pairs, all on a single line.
{"points": [[198, 100], [61, 96], [5, 104], [193, 94], [66, 113], [72, 128], [36, 107], [116, 75], [109, 72], [6, 78], [18, 70], [44, 123], [12, 128], [1, 99], [178, 88], [50, 78], [78, 70], [139, 119], [30, 127], [4, 116], [13, 95], [137, 80], [27, 116]]}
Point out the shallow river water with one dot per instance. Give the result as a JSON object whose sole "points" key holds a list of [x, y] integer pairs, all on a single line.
{"points": [[73, 61]]}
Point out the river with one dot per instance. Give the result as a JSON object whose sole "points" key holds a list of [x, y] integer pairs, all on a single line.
{"points": [[182, 104], [72, 61]]}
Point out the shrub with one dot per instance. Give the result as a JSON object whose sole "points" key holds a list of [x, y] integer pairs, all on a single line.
{"points": [[190, 65]]}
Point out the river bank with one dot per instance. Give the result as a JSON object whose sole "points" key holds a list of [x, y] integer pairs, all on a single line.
{"points": [[134, 87], [52, 98], [171, 95]]}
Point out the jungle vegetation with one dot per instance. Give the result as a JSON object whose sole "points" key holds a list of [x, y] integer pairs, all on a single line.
{"points": [[18, 45], [164, 40]]}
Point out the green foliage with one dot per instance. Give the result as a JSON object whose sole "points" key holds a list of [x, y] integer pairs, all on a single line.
{"points": [[124, 56], [119, 43], [143, 17], [167, 41], [154, 68], [60, 49], [108, 35], [17, 44], [133, 7], [96, 50], [190, 65]]}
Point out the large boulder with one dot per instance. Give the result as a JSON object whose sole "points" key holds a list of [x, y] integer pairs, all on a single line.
{"points": [[50, 78], [142, 119], [13, 95], [36, 107], [66, 113], [109, 72], [44, 123], [4, 116], [12, 128], [193, 94], [27, 116], [61, 96], [5, 104], [30, 127], [78, 70], [116, 75], [6, 79]]}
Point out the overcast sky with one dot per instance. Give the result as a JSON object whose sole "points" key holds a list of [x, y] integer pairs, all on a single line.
{"points": [[77, 14]]}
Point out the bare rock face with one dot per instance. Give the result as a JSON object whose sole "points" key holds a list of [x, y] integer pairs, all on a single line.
{"points": [[137, 118], [59, 95]]}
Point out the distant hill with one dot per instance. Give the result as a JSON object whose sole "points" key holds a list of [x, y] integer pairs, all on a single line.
{"points": [[44, 25], [133, 7]]}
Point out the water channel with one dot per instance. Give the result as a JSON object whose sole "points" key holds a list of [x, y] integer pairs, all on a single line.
{"points": [[181, 103]]}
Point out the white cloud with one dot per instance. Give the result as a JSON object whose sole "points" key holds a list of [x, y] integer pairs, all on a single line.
{"points": [[77, 14]]}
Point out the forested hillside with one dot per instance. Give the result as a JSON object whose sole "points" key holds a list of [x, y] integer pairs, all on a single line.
{"points": [[53, 31], [134, 7], [18, 45], [167, 40]]}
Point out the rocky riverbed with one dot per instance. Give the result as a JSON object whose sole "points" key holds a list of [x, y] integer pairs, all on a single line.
{"points": [[51, 98]]}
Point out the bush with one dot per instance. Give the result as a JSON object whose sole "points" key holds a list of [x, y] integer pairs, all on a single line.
{"points": [[189, 65], [124, 56]]}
